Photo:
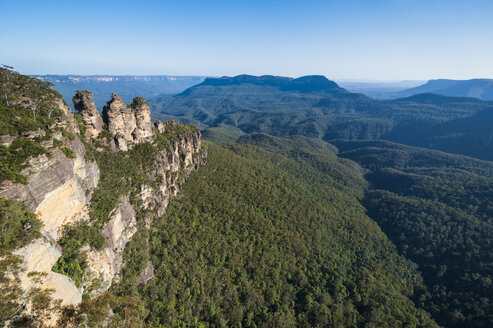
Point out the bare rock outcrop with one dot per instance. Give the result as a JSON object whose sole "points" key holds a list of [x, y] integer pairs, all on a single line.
{"points": [[39, 256], [172, 166], [161, 127], [58, 186], [128, 124], [146, 274], [143, 132], [88, 112]]}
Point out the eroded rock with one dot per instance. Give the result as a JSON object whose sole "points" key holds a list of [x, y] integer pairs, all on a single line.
{"points": [[128, 125], [88, 112]]}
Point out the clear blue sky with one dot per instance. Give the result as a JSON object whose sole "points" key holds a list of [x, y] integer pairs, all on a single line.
{"points": [[379, 40]]}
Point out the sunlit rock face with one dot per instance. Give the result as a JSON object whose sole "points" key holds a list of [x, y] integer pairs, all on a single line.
{"points": [[84, 105], [58, 191], [128, 124]]}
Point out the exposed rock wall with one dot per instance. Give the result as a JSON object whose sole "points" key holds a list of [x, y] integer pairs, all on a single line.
{"points": [[171, 166], [88, 112], [143, 131], [57, 191], [105, 264], [128, 124]]}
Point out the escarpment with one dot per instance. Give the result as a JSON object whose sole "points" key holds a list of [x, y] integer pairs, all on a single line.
{"points": [[175, 153], [57, 190], [93, 181]]}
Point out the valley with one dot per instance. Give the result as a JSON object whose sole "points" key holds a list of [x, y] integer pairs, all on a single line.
{"points": [[305, 206]]}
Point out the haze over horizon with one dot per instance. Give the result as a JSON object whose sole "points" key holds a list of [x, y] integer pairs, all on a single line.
{"points": [[354, 40]]}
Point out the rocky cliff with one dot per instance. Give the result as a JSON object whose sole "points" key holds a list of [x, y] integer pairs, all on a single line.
{"points": [[58, 192], [164, 174], [65, 183]]}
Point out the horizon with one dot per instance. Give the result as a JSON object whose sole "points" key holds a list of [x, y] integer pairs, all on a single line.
{"points": [[351, 41], [342, 80]]}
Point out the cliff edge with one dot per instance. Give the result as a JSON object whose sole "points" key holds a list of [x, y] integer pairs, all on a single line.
{"points": [[89, 181]]}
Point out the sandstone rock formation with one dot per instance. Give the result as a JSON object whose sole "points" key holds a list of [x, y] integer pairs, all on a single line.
{"points": [[143, 132], [90, 116], [60, 186], [105, 264], [161, 127], [58, 192], [128, 125]]}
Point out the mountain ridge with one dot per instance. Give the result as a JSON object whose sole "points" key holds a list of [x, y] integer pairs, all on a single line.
{"points": [[478, 88], [316, 107]]}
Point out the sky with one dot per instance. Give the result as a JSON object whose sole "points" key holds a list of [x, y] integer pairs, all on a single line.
{"points": [[343, 40]]}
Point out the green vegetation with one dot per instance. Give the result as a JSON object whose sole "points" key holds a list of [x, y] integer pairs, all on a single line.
{"points": [[27, 107], [18, 226], [272, 231], [136, 256], [69, 153], [72, 263], [13, 158], [14, 299], [122, 172], [27, 104], [254, 239], [126, 312], [438, 209], [223, 134]]}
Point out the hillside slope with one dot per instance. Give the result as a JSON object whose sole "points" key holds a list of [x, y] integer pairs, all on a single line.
{"points": [[438, 209], [273, 235], [75, 193]]}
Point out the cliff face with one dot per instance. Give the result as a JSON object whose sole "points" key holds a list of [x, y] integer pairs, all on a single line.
{"points": [[60, 186], [58, 192], [171, 166]]}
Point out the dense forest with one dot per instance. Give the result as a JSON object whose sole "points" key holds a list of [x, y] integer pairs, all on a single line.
{"points": [[273, 235], [438, 209]]}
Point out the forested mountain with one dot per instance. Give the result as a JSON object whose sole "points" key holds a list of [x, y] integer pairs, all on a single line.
{"points": [[477, 88], [379, 89], [316, 107]]}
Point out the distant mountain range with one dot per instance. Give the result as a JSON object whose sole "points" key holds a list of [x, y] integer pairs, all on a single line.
{"points": [[477, 88], [379, 89], [316, 107], [126, 86]]}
